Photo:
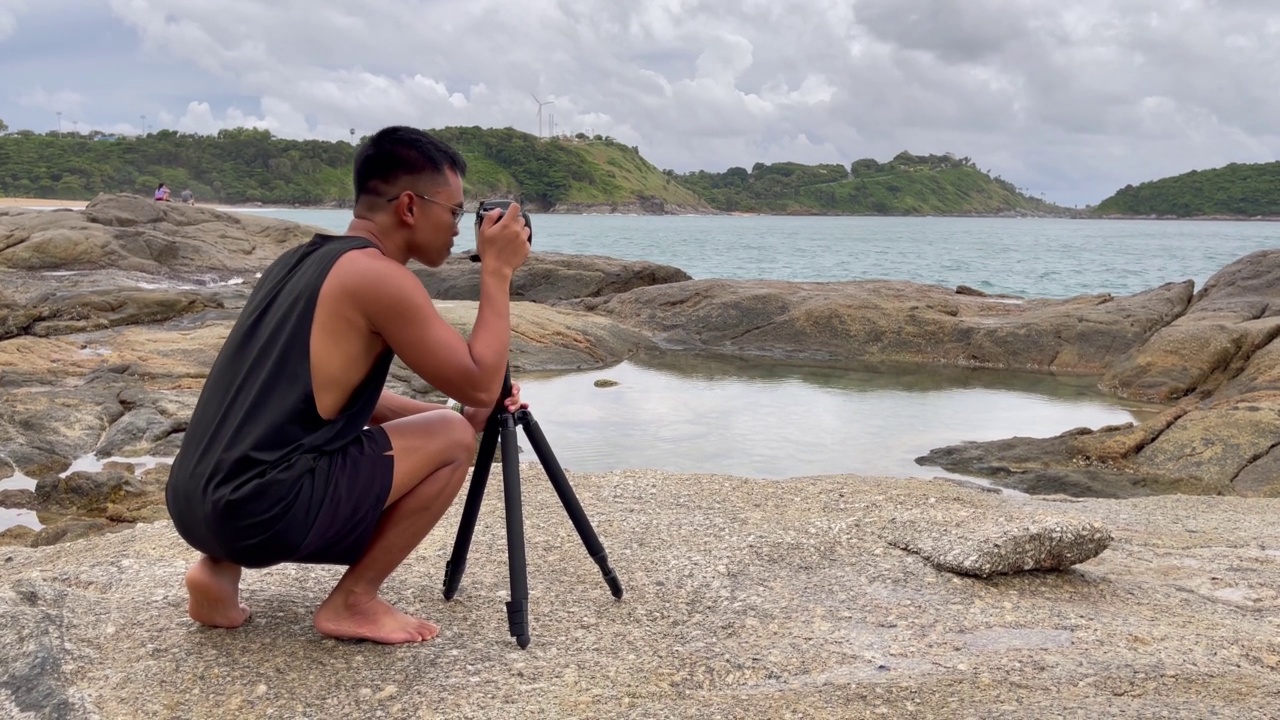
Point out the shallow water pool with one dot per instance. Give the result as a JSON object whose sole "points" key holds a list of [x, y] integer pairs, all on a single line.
{"points": [[767, 420], [773, 421]]}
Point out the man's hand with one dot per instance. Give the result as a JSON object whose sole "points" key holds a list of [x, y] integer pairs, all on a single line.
{"points": [[479, 416], [503, 245]]}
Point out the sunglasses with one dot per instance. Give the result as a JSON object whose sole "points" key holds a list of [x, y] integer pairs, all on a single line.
{"points": [[457, 211]]}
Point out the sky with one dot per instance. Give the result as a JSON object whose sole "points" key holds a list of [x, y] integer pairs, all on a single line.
{"points": [[1069, 100]]}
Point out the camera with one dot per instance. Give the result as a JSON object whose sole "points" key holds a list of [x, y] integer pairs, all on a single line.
{"points": [[501, 206]]}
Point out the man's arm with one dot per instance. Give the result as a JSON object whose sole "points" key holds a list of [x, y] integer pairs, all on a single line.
{"points": [[397, 307]]}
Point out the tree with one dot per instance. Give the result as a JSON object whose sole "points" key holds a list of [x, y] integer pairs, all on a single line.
{"points": [[3, 128]]}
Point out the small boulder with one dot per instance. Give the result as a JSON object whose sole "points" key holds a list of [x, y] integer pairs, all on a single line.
{"points": [[983, 543]]}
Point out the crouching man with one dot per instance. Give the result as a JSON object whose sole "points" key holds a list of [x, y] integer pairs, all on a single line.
{"points": [[295, 453]]}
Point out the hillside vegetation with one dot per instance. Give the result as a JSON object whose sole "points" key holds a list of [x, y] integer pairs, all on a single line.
{"points": [[1236, 190], [906, 185], [566, 174]]}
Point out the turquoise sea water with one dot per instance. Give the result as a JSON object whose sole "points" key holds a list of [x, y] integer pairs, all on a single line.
{"points": [[1028, 257]]}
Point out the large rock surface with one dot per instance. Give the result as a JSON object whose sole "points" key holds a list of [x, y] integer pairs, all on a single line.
{"points": [[848, 322], [743, 599], [127, 232]]}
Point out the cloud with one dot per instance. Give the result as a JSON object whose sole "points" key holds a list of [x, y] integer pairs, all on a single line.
{"points": [[1072, 99], [63, 101], [10, 10]]}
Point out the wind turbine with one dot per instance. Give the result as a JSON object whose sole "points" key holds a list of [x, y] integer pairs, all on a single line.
{"points": [[540, 104]]}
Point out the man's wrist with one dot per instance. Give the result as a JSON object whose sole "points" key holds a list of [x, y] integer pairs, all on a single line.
{"points": [[496, 272]]}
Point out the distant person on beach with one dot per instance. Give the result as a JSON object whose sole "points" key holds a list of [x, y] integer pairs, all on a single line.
{"points": [[162, 193], [188, 198], [295, 453]]}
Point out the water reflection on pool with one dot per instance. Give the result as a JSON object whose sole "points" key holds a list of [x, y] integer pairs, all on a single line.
{"points": [[764, 420]]}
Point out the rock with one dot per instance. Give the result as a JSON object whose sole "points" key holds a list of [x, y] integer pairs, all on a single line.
{"points": [[986, 543], [1070, 464], [1233, 317], [548, 277], [33, 680], [128, 232], [17, 536], [65, 313], [879, 321], [42, 430], [605, 383], [72, 529], [743, 599], [92, 494], [1219, 448], [21, 499]]}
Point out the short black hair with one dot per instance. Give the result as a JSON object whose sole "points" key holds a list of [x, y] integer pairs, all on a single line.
{"points": [[397, 152]]}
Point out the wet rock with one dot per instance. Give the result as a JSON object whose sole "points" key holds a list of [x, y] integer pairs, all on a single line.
{"points": [[21, 499], [984, 543], [548, 277], [1069, 463], [93, 494]]}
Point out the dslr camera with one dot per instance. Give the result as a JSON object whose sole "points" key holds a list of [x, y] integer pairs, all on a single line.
{"points": [[501, 206]]}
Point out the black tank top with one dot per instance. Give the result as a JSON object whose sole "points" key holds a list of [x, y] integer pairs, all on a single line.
{"points": [[253, 465]]}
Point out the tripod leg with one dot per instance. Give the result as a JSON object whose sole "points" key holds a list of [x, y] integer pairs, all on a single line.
{"points": [[570, 501], [457, 563], [518, 606]]}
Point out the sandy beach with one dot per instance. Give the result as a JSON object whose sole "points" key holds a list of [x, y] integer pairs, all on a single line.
{"points": [[9, 202]]}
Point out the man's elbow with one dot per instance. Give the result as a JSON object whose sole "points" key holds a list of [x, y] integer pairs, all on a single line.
{"points": [[481, 398]]}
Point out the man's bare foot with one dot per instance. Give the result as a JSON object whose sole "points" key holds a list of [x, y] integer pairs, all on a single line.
{"points": [[214, 594], [348, 618]]}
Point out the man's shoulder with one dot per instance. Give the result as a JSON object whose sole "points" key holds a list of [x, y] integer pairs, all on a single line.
{"points": [[367, 273]]}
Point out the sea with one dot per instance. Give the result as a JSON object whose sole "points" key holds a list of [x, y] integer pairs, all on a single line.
{"points": [[773, 422]]}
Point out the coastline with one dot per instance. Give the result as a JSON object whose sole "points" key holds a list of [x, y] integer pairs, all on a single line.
{"points": [[52, 204]]}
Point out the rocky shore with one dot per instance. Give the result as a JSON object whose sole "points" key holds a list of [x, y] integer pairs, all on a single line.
{"points": [[1155, 543]]}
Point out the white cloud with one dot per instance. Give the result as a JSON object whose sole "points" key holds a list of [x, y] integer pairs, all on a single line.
{"points": [[1073, 98], [64, 101], [9, 12]]}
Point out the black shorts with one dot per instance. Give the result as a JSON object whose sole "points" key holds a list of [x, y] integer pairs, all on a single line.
{"points": [[360, 476], [334, 529]]}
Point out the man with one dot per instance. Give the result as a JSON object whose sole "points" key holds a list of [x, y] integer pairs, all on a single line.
{"points": [[294, 452]]}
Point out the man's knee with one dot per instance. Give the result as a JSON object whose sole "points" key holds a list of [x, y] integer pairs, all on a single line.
{"points": [[461, 437]]}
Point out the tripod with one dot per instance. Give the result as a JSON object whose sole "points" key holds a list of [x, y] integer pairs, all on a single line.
{"points": [[503, 423]]}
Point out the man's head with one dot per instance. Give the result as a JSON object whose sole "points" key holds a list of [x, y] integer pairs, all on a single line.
{"points": [[408, 184]]}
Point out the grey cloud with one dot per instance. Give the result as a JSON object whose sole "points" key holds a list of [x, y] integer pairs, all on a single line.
{"points": [[1073, 98]]}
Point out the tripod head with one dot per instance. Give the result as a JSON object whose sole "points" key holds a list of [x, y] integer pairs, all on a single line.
{"points": [[501, 206]]}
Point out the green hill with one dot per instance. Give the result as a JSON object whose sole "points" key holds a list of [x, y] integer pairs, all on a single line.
{"points": [[247, 166], [1237, 190], [565, 174], [906, 185]]}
